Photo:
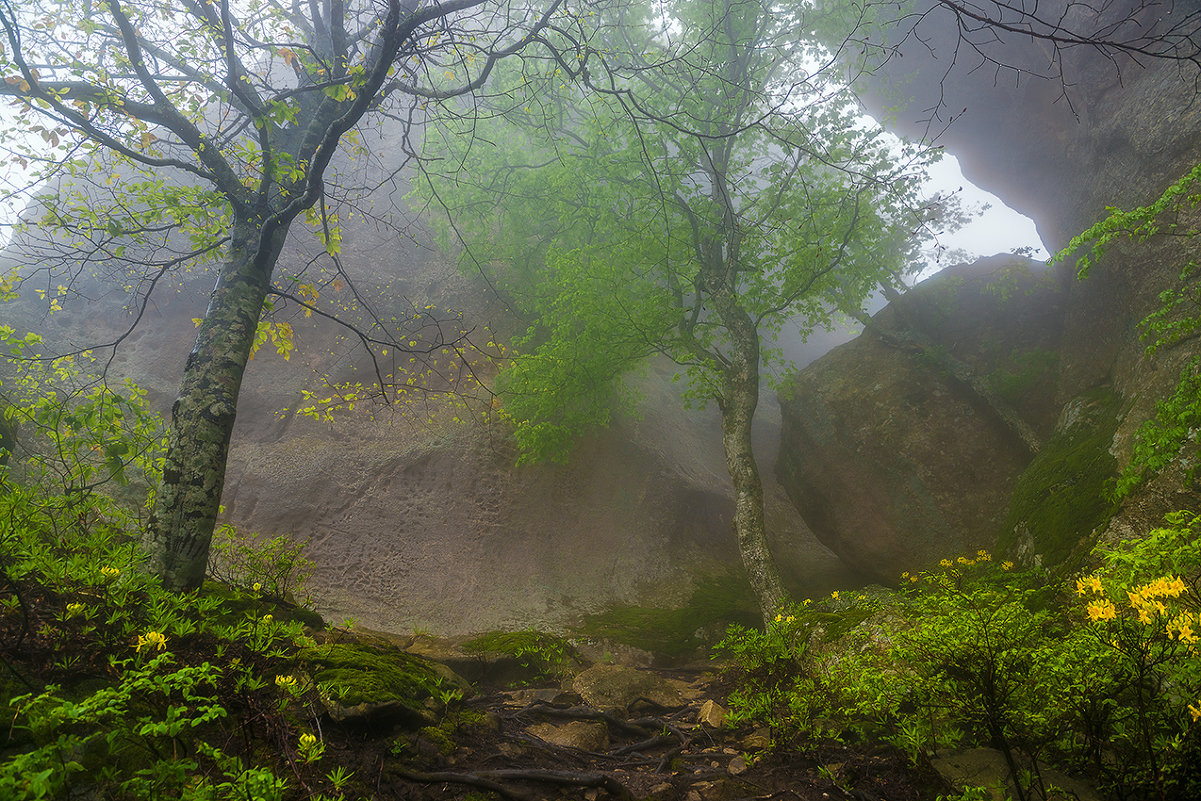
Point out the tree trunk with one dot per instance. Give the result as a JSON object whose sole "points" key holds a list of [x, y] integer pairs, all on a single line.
{"points": [[202, 418], [740, 398]]}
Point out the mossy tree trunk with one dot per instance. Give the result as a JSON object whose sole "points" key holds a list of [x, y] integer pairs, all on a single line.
{"points": [[202, 418]]}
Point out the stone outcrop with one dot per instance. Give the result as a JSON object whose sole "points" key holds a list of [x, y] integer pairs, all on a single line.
{"points": [[415, 521], [891, 460], [890, 472]]}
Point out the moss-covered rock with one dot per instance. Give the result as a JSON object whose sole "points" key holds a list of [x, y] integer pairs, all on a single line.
{"points": [[1063, 497], [524, 656], [677, 634], [374, 686]]}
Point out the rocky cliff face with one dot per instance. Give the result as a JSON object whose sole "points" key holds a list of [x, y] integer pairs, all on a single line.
{"points": [[1058, 134], [417, 521]]}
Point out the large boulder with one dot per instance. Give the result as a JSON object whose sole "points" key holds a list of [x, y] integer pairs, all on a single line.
{"points": [[892, 461]]}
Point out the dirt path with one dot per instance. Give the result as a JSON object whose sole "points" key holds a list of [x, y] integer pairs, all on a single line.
{"points": [[544, 743]]}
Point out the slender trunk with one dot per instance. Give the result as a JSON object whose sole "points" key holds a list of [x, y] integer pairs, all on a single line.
{"points": [[740, 398], [202, 418]]}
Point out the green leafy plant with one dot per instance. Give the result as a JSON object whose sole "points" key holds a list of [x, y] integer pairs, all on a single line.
{"points": [[1160, 440], [274, 566]]}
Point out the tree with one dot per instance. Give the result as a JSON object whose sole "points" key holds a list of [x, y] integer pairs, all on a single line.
{"points": [[714, 185], [204, 129]]}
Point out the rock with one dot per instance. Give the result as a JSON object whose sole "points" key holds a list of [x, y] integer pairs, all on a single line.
{"points": [[758, 740], [577, 734], [986, 767], [712, 714], [617, 687], [894, 463], [371, 686], [737, 766]]}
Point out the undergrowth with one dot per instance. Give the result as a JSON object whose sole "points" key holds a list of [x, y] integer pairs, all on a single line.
{"points": [[1100, 678]]}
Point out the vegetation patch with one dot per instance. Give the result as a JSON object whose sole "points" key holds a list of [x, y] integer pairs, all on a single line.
{"points": [[716, 603], [540, 655], [353, 674], [1063, 496], [1030, 371]]}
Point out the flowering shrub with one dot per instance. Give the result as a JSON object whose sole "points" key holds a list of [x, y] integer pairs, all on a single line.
{"points": [[1101, 677]]}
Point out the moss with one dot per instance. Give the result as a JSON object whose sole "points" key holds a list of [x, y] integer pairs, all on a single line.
{"points": [[541, 654], [359, 674], [1063, 495], [236, 605], [1029, 371], [715, 604], [440, 739]]}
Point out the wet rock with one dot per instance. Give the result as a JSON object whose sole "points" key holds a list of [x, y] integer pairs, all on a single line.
{"points": [[986, 767], [577, 734], [617, 687], [712, 714]]}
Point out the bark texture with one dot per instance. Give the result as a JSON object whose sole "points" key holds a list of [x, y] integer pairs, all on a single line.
{"points": [[740, 399], [202, 418]]}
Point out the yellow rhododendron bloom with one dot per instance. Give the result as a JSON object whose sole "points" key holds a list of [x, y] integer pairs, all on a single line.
{"points": [[1102, 610], [110, 572], [308, 740], [946, 563], [74, 609], [1007, 565], [152, 639], [834, 595], [257, 587], [1195, 711], [285, 681], [1090, 584]]}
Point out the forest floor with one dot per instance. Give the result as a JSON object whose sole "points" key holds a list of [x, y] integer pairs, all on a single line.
{"points": [[545, 743]]}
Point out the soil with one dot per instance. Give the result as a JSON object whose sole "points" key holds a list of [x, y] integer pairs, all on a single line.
{"points": [[652, 753]]}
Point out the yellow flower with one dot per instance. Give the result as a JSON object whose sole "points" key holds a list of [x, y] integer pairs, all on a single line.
{"points": [[285, 682], [152, 639], [807, 602], [257, 587], [307, 740], [1089, 584], [905, 575], [110, 572], [1007, 565], [1195, 711], [913, 579], [790, 619], [984, 556], [1102, 610], [74, 609], [267, 618], [946, 563], [779, 617], [962, 560], [834, 595]]}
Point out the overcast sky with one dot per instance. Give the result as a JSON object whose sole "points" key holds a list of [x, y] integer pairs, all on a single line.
{"points": [[999, 230]]}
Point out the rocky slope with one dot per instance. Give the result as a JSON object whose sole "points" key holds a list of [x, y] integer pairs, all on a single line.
{"points": [[1058, 134]]}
